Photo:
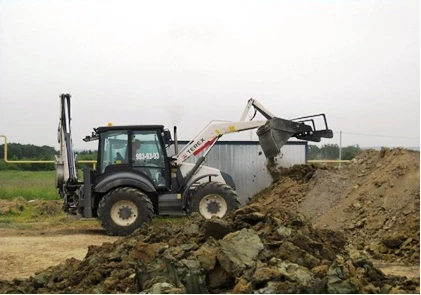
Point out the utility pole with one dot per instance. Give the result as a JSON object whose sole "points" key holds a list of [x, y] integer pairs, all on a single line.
{"points": [[340, 148]]}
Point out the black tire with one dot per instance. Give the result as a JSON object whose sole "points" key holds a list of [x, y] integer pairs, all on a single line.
{"points": [[214, 198], [123, 210]]}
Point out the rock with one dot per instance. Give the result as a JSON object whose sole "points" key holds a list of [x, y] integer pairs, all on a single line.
{"points": [[361, 222], [191, 264], [395, 240], [218, 278], [277, 288], [242, 287], [383, 249], [109, 283], [289, 251], [216, 228], [376, 222], [40, 280], [320, 271], [266, 273], [356, 205], [189, 247], [176, 252], [207, 254], [374, 247], [339, 280], [165, 288], [239, 250], [284, 232], [192, 229], [147, 252], [293, 272]]}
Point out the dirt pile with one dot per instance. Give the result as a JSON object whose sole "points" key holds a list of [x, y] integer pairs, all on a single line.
{"points": [[268, 246], [375, 201], [257, 249], [379, 208]]}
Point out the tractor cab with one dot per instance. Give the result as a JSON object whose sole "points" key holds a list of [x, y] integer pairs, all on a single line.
{"points": [[140, 150]]}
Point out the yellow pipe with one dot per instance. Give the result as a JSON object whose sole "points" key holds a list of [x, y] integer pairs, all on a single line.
{"points": [[38, 161]]}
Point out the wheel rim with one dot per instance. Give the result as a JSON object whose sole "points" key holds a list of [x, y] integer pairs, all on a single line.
{"points": [[124, 213], [213, 205]]}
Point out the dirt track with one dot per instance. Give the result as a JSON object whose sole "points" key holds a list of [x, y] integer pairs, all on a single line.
{"points": [[25, 252]]}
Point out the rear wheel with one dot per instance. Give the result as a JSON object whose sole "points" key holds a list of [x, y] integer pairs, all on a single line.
{"points": [[214, 199], [123, 210]]}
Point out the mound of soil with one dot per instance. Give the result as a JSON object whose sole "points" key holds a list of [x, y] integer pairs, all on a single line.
{"points": [[375, 201], [257, 249], [291, 238]]}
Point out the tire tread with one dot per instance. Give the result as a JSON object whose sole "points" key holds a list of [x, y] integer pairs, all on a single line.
{"points": [[147, 206]]}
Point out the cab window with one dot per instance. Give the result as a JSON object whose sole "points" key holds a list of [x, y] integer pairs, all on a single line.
{"points": [[114, 150]]}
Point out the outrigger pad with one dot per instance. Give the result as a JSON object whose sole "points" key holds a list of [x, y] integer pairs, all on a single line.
{"points": [[276, 132]]}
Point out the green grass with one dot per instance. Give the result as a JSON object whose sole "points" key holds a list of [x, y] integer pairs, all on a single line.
{"points": [[21, 210], [30, 185]]}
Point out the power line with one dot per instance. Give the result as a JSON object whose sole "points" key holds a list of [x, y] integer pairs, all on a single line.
{"points": [[377, 135]]}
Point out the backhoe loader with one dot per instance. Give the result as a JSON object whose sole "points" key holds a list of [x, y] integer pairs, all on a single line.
{"points": [[136, 179]]}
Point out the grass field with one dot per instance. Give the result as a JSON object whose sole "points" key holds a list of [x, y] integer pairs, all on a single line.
{"points": [[18, 187], [30, 185]]}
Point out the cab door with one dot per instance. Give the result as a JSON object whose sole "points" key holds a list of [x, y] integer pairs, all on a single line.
{"points": [[148, 155]]}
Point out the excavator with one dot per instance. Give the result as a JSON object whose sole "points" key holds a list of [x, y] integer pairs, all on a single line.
{"points": [[135, 178]]}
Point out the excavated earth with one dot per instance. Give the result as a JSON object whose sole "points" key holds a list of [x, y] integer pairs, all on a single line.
{"points": [[314, 230], [374, 201]]}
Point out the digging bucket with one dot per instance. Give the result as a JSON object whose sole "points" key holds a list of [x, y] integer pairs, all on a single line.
{"points": [[275, 133]]}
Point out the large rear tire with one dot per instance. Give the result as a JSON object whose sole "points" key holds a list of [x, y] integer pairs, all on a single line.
{"points": [[123, 210], [214, 199]]}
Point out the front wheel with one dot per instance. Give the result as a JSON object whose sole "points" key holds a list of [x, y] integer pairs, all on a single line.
{"points": [[214, 199], [123, 210]]}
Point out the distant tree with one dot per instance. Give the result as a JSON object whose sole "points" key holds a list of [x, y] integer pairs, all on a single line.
{"points": [[313, 152], [28, 151], [330, 152], [349, 152], [86, 155], [17, 151]]}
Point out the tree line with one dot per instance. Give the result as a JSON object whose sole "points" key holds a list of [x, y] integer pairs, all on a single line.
{"points": [[30, 152], [331, 152]]}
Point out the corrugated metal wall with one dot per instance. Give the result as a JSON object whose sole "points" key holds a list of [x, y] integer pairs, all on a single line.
{"points": [[246, 163]]}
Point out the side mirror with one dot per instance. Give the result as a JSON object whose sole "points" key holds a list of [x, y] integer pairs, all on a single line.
{"points": [[167, 137]]}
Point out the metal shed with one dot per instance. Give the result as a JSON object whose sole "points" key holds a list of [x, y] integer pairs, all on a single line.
{"points": [[246, 163]]}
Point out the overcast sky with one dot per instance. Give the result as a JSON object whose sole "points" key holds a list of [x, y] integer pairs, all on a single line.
{"points": [[190, 62]]}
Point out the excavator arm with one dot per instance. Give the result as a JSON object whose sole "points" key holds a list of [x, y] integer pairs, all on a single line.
{"points": [[273, 133], [65, 163]]}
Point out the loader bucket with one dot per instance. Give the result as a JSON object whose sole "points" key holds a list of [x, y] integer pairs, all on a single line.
{"points": [[276, 132]]}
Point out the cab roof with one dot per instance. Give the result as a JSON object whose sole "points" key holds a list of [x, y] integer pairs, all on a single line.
{"points": [[130, 127]]}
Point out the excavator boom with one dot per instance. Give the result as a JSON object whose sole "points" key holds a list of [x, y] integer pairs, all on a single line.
{"points": [[65, 162]]}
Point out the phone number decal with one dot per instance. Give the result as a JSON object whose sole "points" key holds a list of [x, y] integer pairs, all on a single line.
{"points": [[147, 156]]}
